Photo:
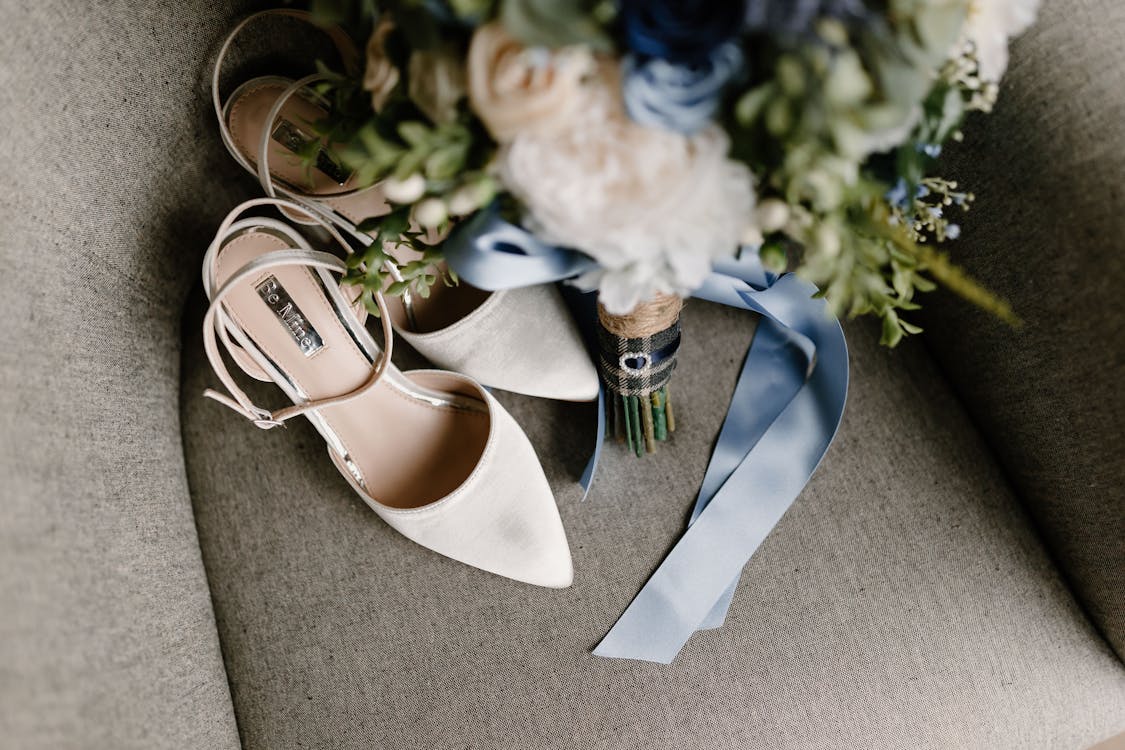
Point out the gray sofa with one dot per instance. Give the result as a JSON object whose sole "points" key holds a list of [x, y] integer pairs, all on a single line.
{"points": [[952, 577]]}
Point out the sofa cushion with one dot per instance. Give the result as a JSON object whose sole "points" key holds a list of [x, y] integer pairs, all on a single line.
{"points": [[107, 636], [1048, 232], [903, 601]]}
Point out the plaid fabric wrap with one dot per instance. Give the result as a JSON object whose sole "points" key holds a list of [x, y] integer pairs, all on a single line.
{"points": [[638, 366]]}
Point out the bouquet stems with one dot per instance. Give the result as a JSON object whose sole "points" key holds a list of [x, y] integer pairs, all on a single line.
{"points": [[637, 354]]}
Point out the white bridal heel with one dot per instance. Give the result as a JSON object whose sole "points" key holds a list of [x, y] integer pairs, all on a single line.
{"points": [[521, 340], [431, 452]]}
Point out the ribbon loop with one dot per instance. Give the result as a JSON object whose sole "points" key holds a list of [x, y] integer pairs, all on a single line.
{"points": [[492, 254]]}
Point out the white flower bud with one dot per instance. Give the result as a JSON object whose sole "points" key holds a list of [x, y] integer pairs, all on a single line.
{"points": [[469, 198], [463, 201], [404, 191], [847, 83], [752, 236], [773, 214], [430, 213], [826, 239]]}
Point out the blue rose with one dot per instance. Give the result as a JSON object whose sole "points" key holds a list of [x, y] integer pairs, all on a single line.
{"points": [[800, 16], [683, 31], [675, 96]]}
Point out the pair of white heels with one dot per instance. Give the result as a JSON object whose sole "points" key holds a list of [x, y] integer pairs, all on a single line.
{"points": [[430, 451]]}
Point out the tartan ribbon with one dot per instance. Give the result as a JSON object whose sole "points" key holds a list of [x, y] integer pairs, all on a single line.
{"points": [[638, 366]]}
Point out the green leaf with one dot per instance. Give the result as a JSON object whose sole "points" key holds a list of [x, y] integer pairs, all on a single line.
{"points": [[751, 104], [369, 225], [952, 114], [397, 288], [414, 133], [445, 163], [550, 23], [909, 327], [410, 163], [892, 332]]}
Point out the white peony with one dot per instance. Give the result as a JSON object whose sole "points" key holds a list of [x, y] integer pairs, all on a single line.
{"points": [[989, 26], [652, 206]]}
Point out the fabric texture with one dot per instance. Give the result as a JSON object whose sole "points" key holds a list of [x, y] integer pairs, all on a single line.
{"points": [[1047, 231], [107, 636], [903, 601], [494, 345]]}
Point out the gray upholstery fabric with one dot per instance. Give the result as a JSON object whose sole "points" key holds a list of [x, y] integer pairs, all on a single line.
{"points": [[1048, 232], [107, 636], [902, 602]]}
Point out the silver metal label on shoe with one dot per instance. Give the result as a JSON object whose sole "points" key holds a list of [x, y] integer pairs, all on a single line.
{"points": [[292, 138], [282, 305]]}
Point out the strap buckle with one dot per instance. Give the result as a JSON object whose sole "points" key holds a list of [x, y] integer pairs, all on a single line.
{"points": [[265, 420]]}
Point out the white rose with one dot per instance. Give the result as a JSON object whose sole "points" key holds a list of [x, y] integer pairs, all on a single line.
{"points": [[514, 89], [989, 26], [653, 207], [437, 83], [380, 76]]}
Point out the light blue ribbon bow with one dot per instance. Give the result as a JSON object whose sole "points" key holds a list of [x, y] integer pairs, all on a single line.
{"points": [[784, 413]]}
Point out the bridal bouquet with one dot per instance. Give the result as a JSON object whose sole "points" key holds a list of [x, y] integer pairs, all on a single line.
{"points": [[659, 137]]}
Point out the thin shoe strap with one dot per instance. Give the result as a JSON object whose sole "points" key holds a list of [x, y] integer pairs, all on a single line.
{"points": [[264, 176], [350, 57], [214, 324]]}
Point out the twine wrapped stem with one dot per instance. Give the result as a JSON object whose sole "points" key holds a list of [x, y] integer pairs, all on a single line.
{"points": [[637, 354]]}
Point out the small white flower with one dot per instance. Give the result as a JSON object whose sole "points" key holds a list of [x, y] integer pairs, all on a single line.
{"points": [[404, 191], [773, 214], [652, 206], [989, 26], [430, 213]]}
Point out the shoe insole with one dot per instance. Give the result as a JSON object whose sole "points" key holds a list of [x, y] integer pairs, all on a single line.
{"points": [[407, 451], [446, 304]]}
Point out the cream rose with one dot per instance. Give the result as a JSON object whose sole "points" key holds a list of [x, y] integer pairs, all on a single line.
{"points": [[380, 76], [518, 90], [437, 83], [652, 206]]}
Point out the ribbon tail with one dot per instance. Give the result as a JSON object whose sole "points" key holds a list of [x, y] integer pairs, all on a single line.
{"points": [[690, 588], [591, 469], [772, 374], [718, 614]]}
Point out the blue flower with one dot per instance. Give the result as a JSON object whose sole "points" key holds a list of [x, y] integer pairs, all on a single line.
{"points": [[800, 16], [678, 97], [897, 195], [683, 31], [953, 231]]}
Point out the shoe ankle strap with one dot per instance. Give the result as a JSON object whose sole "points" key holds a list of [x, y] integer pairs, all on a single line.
{"points": [[350, 57], [215, 322]]}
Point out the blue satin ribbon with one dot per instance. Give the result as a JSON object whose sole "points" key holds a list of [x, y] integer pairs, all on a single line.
{"points": [[784, 413], [492, 254]]}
